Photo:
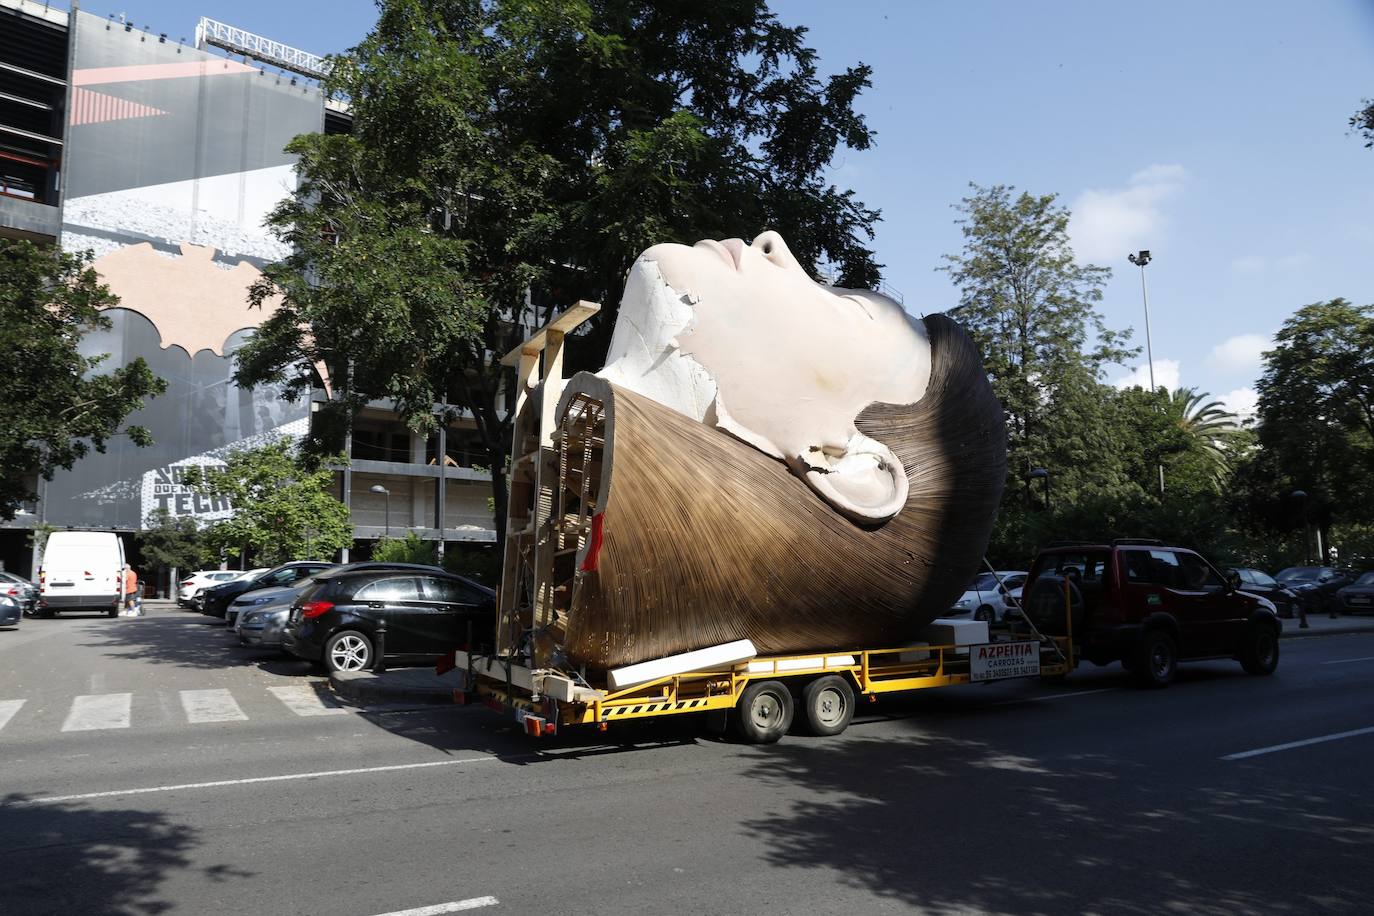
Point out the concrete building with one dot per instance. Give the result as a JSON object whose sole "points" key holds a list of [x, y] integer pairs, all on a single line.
{"points": [[163, 157]]}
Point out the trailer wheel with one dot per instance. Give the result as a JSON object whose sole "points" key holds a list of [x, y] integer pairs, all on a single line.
{"points": [[828, 704], [764, 712]]}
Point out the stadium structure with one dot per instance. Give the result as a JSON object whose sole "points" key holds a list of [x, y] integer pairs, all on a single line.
{"points": [[163, 157]]}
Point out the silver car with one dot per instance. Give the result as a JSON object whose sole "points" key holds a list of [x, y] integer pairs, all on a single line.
{"points": [[263, 627]]}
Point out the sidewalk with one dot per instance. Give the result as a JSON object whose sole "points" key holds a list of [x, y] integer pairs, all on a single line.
{"points": [[1323, 625], [395, 685]]}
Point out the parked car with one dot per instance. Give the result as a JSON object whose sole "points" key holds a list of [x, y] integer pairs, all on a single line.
{"points": [[21, 590], [1149, 605], [988, 596], [283, 596], [1358, 595], [189, 588], [1315, 586], [1259, 582], [11, 611], [217, 598], [335, 620], [81, 571]]}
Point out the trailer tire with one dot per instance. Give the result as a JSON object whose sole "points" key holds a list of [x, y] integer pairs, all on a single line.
{"points": [[828, 704], [764, 712]]}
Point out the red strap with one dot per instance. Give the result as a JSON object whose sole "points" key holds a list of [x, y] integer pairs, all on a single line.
{"points": [[594, 544]]}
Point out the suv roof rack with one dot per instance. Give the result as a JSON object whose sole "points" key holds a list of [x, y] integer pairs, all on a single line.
{"points": [[1073, 544], [1152, 542]]}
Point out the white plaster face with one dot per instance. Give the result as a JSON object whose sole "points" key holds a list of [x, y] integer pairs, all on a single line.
{"points": [[739, 336]]}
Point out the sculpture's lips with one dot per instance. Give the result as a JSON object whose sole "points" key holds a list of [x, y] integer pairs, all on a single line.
{"points": [[730, 251]]}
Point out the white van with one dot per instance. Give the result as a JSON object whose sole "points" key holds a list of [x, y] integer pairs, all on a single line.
{"points": [[81, 570]]}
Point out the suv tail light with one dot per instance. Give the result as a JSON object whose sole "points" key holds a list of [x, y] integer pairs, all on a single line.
{"points": [[312, 609], [186, 582]]}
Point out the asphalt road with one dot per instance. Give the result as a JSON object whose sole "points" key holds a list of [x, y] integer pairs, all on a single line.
{"points": [[132, 785]]}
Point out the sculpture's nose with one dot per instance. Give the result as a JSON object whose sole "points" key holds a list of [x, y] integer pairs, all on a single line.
{"points": [[771, 245]]}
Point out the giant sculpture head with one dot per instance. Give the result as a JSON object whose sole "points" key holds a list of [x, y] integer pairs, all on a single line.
{"points": [[740, 337]]}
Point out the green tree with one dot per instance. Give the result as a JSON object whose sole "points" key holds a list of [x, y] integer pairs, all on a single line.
{"points": [[409, 549], [1316, 411], [283, 509], [1032, 309], [56, 404], [1212, 434], [1362, 122], [169, 542], [507, 148]]}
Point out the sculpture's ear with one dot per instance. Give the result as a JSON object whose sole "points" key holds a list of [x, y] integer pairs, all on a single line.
{"points": [[865, 481]]}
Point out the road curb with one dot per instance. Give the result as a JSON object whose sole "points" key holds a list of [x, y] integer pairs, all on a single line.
{"points": [[1296, 633], [407, 686]]}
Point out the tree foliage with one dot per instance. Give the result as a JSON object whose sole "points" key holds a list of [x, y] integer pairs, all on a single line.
{"points": [[1316, 409], [283, 510], [409, 549], [170, 541], [510, 147], [57, 404], [1362, 122], [1032, 309]]}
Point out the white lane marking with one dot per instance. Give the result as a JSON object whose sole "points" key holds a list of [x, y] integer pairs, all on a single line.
{"points": [[1354, 733], [57, 799], [305, 701], [211, 706], [91, 713], [1346, 661], [1057, 696], [7, 710], [454, 906]]}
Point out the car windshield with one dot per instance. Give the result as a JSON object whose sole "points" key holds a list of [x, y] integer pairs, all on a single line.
{"points": [[1366, 580], [1300, 574]]}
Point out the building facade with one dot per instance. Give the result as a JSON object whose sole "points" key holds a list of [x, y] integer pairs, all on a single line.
{"points": [[163, 159]]}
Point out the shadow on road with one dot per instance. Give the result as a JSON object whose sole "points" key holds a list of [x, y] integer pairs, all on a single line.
{"points": [[186, 641], [68, 858], [952, 823]]}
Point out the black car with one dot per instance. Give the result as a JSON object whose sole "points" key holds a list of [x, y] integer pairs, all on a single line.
{"points": [[335, 621], [1259, 582], [24, 592], [1315, 586], [1358, 595], [217, 598]]}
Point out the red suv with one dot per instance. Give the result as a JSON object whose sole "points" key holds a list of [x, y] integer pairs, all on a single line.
{"points": [[1148, 605]]}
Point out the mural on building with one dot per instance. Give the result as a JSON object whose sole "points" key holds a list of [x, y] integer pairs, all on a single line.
{"points": [[174, 158]]}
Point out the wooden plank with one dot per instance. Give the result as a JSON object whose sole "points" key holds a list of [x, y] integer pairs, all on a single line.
{"points": [[563, 323]]}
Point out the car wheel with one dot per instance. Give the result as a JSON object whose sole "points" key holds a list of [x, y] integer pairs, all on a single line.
{"points": [[1156, 659], [1259, 653], [112, 612], [764, 712], [348, 650], [828, 704], [985, 613]]}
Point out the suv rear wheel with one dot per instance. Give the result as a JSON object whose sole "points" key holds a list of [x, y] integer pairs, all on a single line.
{"points": [[1156, 659], [1259, 653]]}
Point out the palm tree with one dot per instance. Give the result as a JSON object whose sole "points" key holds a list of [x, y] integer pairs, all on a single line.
{"points": [[1210, 426]]}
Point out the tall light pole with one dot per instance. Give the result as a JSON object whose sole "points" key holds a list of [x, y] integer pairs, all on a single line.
{"points": [[1140, 260], [378, 488]]}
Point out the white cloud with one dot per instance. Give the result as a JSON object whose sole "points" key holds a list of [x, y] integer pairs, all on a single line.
{"points": [[1240, 354], [1109, 224], [1242, 402], [1166, 375]]}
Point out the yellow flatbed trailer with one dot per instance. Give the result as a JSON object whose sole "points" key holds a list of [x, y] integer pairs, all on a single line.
{"points": [[763, 693]]}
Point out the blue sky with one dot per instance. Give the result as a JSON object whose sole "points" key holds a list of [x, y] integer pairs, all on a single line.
{"points": [[1213, 134]]}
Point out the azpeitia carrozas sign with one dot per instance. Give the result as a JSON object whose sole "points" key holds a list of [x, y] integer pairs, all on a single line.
{"points": [[996, 660]]}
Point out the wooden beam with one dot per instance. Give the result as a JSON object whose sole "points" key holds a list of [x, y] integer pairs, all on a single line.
{"points": [[563, 323]]}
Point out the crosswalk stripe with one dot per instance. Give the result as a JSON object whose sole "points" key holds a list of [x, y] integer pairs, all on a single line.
{"points": [[306, 701], [211, 706], [91, 713], [7, 710]]}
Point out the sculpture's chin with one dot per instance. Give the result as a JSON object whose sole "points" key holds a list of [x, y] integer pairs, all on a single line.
{"points": [[867, 483]]}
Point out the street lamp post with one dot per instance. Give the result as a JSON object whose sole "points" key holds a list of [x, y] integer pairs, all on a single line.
{"points": [[1301, 497], [1140, 259], [1042, 474], [378, 488]]}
